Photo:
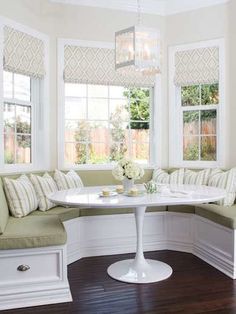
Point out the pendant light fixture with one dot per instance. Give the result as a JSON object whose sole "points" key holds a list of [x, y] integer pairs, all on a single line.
{"points": [[138, 48]]}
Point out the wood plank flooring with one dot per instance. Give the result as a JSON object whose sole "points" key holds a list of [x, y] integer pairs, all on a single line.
{"points": [[194, 287]]}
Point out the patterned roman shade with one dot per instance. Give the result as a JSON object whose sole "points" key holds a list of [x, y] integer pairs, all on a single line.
{"points": [[23, 54], [197, 66], [87, 65]]}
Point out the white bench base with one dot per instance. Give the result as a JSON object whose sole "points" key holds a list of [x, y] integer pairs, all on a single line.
{"points": [[115, 234], [46, 282]]}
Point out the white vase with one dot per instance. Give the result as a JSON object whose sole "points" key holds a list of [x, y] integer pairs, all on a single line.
{"points": [[128, 184]]}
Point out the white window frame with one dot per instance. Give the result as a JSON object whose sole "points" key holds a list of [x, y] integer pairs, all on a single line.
{"points": [[176, 110], [40, 108], [155, 119]]}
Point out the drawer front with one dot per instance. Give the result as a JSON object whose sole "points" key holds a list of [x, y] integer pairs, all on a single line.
{"points": [[30, 268]]}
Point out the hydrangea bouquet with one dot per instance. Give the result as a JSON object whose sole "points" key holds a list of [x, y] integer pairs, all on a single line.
{"points": [[128, 171]]}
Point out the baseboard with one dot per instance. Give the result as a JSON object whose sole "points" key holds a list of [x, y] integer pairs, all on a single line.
{"points": [[35, 298]]}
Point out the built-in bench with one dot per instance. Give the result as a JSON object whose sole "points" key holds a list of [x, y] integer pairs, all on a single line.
{"points": [[35, 250]]}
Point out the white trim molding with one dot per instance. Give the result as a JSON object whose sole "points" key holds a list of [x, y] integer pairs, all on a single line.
{"points": [[155, 7], [175, 116]]}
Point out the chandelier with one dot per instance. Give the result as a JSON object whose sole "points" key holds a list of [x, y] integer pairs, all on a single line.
{"points": [[137, 48]]}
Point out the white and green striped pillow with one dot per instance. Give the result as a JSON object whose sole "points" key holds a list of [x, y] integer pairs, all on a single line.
{"points": [[21, 196], [196, 177], [225, 180], [161, 176], [44, 186], [67, 181]]}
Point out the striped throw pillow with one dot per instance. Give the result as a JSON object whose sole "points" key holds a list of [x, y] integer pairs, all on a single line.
{"points": [[21, 196], [225, 180], [197, 177], [161, 176], [67, 181], [44, 186]]}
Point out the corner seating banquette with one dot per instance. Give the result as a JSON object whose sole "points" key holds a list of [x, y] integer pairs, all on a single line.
{"points": [[35, 250]]}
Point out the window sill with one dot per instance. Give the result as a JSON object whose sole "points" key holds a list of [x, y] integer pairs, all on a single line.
{"points": [[21, 168], [99, 167], [197, 164]]}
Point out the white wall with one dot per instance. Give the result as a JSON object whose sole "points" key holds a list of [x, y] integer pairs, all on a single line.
{"points": [[69, 21]]}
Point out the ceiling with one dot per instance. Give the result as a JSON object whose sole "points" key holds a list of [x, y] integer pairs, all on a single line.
{"points": [[158, 7]]}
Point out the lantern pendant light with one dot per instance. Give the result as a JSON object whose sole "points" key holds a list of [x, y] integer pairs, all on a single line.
{"points": [[137, 48]]}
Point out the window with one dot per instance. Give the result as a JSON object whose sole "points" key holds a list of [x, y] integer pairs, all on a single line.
{"points": [[17, 118], [104, 123], [199, 106]]}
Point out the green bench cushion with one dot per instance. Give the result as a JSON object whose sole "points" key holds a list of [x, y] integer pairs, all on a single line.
{"points": [[31, 232], [185, 209], [4, 212], [115, 211], [63, 213], [222, 215]]}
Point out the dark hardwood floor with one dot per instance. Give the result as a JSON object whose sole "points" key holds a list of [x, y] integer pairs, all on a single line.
{"points": [[194, 287]]}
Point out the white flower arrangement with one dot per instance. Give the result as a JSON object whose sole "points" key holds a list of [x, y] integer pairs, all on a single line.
{"points": [[126, 168]]}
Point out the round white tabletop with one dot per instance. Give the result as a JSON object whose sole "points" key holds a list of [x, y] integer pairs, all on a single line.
{"points": [[138, 270]]}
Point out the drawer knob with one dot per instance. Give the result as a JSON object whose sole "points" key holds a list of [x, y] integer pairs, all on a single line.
{"points": [[23, 267]]}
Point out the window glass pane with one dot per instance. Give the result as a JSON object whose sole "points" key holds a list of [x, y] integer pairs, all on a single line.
{"points": [[75, 108], [119, 130], [75, 153], [137, 93], [118, 150], [191, 122], [77, 131], [190, 95], [208, 122], [98, 153], [71, 129], [22, 87], [191, 148], [7, 84], [23, 119], [9, 148], [98, 109], [9, 118], [140, 151], [208, 148], [75, 90], [118, 109], [99, 132], [97, 91], [139, 104], [23, 149], [117, 92], [210, 94], [141, 132]]}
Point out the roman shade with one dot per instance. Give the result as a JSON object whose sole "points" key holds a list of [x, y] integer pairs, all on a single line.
{"points": [[197, 66], [23, 53], [90, 65]]}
